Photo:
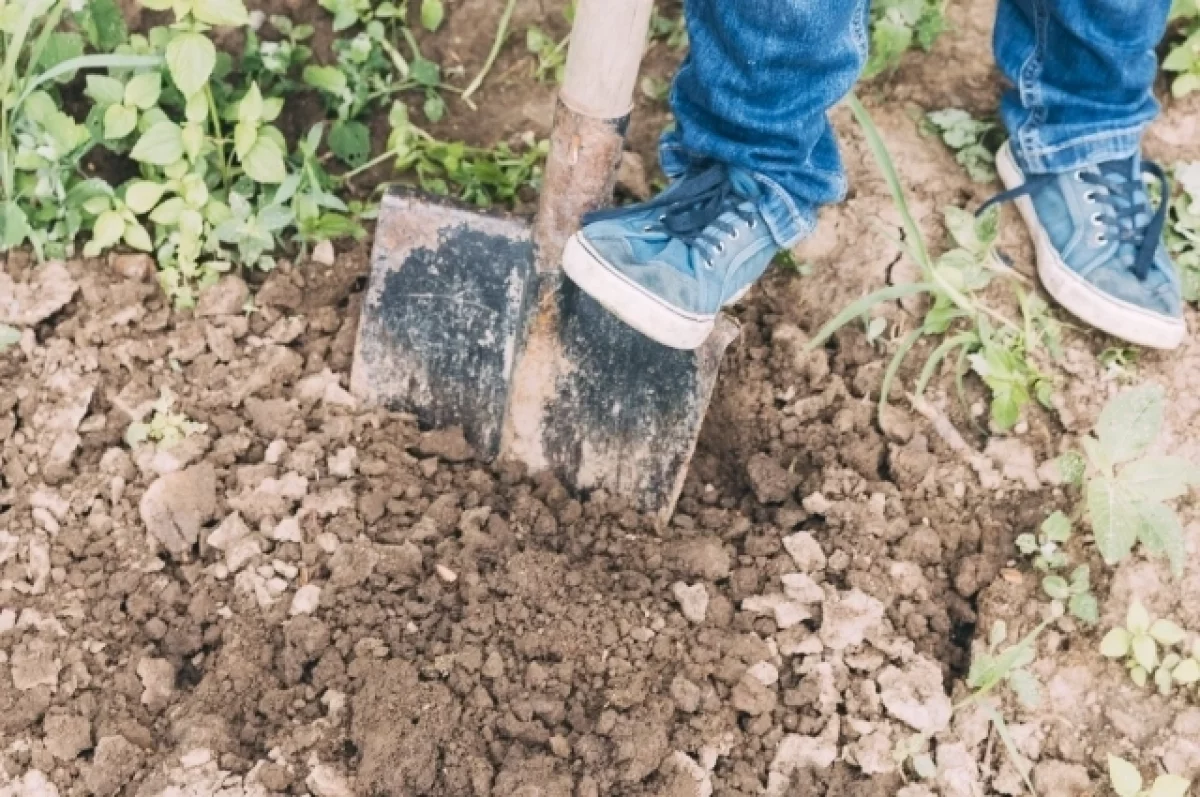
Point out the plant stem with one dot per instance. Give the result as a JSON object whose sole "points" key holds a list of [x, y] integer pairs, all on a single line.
{"points": [[497, 45], [218, 136]]}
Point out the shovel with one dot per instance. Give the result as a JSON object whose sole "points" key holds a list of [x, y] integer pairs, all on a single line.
{"points": [[468, 320]]}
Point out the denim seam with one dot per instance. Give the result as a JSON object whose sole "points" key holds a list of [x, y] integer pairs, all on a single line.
{"points": [[803, 224], [1105, 135], [1031, 93]]}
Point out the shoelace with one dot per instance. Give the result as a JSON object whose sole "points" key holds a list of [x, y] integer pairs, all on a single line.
{"points": [[1126, 216], [693, 212]]}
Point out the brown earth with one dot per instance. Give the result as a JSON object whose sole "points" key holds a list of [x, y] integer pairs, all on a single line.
{"points": [[312, 597]]}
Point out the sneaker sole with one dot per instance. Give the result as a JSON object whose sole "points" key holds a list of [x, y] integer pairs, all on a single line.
{"points": [[1106, 313], [632, 303]]}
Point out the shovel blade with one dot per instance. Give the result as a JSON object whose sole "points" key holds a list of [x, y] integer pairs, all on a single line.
{"points": [[443, 315], [602, 406]]}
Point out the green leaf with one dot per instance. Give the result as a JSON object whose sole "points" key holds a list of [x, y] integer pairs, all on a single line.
{"points": [[1071, 467], [136, 237], [1027, 544], [426, 72], [435, 107], [1057, 527], [9, 337], [1084, 608], [161, 145], [119, 121], [250, 109], [191, 58], [1026, 688], [432, 14], [326, 78], [1145, 652], [351, 142], [61, 47], [143, 91], [231, 13], [167, 214], [142, 196], [1167, 633], [1115, 519], [1056, 587], [1187, 673], [1126, 780], [108, 230], [1160, 478], [1131, 422], [1116, 644], [103, 24], [244, 137], [1170, 786], [264, 163], [105, 90], [1160, 532]]}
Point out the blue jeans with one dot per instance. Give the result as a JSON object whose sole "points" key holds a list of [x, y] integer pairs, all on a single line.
{"points": [[761, 76]]}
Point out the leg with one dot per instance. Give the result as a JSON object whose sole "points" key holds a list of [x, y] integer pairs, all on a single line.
{"points": [[1083, 72], [754, 93], [753, 157]]}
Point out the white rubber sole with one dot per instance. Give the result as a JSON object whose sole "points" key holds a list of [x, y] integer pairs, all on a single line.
{"points": [[631, 303], [1096, 308]]}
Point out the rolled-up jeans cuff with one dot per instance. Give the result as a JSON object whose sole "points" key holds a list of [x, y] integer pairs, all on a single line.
{"points": [[788, 220]]}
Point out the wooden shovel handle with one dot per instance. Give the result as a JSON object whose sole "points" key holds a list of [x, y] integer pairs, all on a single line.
{"points": [[607, 45]]}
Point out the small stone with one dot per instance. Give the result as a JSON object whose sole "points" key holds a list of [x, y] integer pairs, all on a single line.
{"points": [[323, 254], [849, 618], [916, 696], [816, 504], [805, 552], [701, 558], [800, 587], [114, 764], [341, 464], [136, 267], [685, 694], [448, 444], [325, 781], [446, 574], [796, 752], [176, 506], [765, 673], [560, 746], [67, 735], [275, 452], [693, 601], [771, 482], [195, 758], [288, 530], [751, 696], [158, 682], [227, 297], [306, 600]]}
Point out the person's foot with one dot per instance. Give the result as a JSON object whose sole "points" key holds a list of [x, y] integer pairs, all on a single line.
{"points": [[1099, 246], [667, 267]]}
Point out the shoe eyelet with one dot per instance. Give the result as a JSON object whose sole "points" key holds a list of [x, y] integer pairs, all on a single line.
{"points": [[1096, 220], [1100, 240], [736, 234], [721, 248], [753, 224], [1079, 175], [1089, 197], [648, 228], [708, 266]]}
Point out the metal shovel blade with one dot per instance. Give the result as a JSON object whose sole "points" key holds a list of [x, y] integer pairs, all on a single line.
{"points": [[443, 315]]}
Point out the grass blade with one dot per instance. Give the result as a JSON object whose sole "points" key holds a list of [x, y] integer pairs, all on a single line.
{"points": [[1019, 761], [888, 168], [889, 376], [935, 359], [91, 62], [863, 305]]}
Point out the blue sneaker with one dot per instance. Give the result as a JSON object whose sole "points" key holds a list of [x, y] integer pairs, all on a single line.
{"points": [[1099, 246], [667, 267]]}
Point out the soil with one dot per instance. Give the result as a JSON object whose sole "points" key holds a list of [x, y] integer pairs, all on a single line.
{"points": [[314, 597]]}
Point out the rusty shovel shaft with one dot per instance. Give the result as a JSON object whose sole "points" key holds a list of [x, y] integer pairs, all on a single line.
{"points": [[607, 45]]}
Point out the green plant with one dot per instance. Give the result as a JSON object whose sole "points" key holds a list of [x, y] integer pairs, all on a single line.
{"points": [[671, 30], [1073, 594], [1126, 490], [1127, 781], [974, 141], [1001, 351], [899, 25], [655, 89], [42, 187], [165, 426], [551, 56], [1138, 644], [480, 176], [9, 337], [1184, 57], [272, 64], [1183, 227], [1120, 360]]}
